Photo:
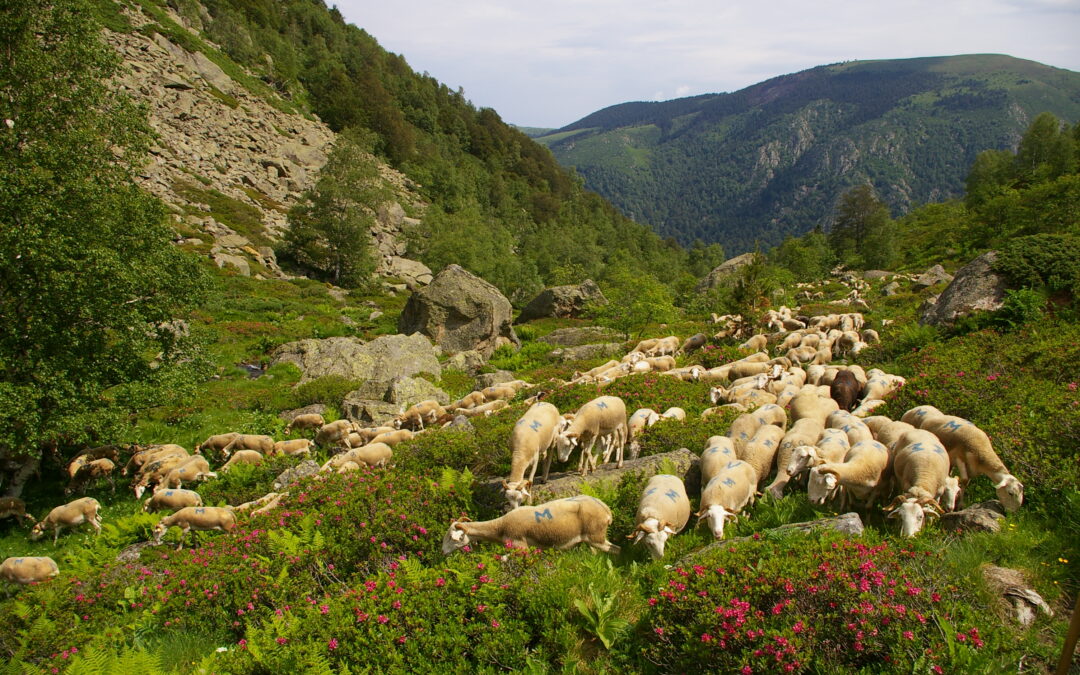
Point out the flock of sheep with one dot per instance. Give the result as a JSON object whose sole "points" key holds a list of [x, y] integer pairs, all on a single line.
{"points": [[802, 418]]}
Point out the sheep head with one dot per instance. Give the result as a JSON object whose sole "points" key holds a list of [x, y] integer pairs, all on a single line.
{"points": [[516, 492], [715, 516], [37, 531], [821, 486], [912, 513], [456, 538], [159, 532], [565, 444], [802, 457], [716, 394], [655, 535], [950, 497], [1011, 492]]}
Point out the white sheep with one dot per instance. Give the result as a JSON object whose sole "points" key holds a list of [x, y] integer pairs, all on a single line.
{"points": [[293, 448], [719, 450], [755, 344], [973, 455], [860, 474], [726, 495], [868, 406], [760, 451], [152, 454], [257, 442], [392, 438], [28, 570], [334, 433], [809, 404], [155, 472], [921, 466], [638, 422], [916, 415], [854, 427], [172, 499], [305, 421], [468, 401], [664, 346], [558, 524], [91, 471], [195, 468], [216, 443], [242, 457], [373, 454], [742, 430], [599, 418], [429, 411], [199, 518], [486, 409], [663, 511], [673, 414], [532, 439], [70, 515], [804, 432]]}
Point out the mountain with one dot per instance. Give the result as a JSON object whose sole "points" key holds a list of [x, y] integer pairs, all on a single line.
{"points": [[772, 159], [534, 132]]}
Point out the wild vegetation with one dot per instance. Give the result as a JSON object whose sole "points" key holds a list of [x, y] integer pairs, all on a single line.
{"points": [[347, 574]]}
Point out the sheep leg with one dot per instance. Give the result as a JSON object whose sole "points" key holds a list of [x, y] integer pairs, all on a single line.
{"points": [[183, 533], [605, 546]]}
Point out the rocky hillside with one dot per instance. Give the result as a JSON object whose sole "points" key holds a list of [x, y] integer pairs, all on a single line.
{"points": [[230, 159], [772, 159]]}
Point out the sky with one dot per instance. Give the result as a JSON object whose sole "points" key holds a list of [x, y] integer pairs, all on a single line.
{"points": [[550, 63]]}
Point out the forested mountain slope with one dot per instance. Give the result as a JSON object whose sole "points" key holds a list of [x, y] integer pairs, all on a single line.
{"points": [[772, 159]]}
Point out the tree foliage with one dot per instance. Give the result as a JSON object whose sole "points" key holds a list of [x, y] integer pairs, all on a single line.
{"points": [[89, 281], [635, 300], [862, 234]]}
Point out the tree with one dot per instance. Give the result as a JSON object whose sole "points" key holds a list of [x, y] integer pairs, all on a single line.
{"points": [[329, 229], [861, 218], [89, 281], [1046, 150], [635, 300]]}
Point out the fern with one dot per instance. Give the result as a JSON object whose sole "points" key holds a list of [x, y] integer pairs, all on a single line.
{"points": [[309, 538], [601, 618], [458, 482], [130, 661]]}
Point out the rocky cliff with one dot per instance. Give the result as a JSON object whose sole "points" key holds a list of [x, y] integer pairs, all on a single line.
{"points": [[229, 161]]}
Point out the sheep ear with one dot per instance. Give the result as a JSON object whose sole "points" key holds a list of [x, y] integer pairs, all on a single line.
{"points": [[1003, 483], [893, 514]]}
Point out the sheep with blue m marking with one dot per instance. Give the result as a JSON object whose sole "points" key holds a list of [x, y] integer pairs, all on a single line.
{"points": [[804, 432], [532, 439], [559, 524], [28, 569], [602, 418], [726, 494], [921, 467], [719, 450], [195, 518], [663, 511], [860, 475]]}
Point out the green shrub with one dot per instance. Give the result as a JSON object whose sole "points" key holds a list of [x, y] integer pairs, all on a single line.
{"points": [[328, 390], [1042, 260]]}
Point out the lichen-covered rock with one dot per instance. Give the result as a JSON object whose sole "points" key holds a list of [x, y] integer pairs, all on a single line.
{"points": [[586, 352], [367, 411], [407, 391], [934, 275], [460, 311], [308, 467], [572, 337], [378, 361], [976, 287], [491, 379], [724, 270], [983, 517], [563, 302], [469, 362], [313, 409]]}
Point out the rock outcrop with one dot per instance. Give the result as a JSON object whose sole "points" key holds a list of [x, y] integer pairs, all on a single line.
{"points": [[460, 311], [976, 287], [983, 517], [586, 352], [572, 337], [378, 361], [724, 270], [932, 276], [846, 523], [563, 302]]}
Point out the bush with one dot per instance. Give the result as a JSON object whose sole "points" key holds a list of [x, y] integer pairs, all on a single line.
{"points": [[328, 390], [1042, 260]]}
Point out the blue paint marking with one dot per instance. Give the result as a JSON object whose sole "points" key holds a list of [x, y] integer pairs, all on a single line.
{"points": [[672, 495], [650, 491], [601, 404], [768, 444], [535, 426], [939, 450], [712, 450], [742, 434], [917, 447], [18, 561], [920, 413], [200, 510], [546, 513], [168, 493], [732, 465], [728, 482], [952, 426]]}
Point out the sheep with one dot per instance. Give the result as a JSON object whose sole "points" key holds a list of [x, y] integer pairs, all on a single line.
{"points": [[870, 336], [193, 469], [261, 444], [13, 506], [808, 404], [334, 433], [392, 438], [916, 415], [533, 439], [28, 570], [755, 344], [89, 472], [468, 401], [725, 495], [70, 515], [693, 343], [200, 518], [172, 500], [558, 524], [645, 345], [746, 368], [109, 452], [273, 501], [686, 374], [267, 498], [599, 418], [752, 398], [242, 457], [719, 409], [880, 384], [664, 346], [770, 413], [486, 409], [760, 451], [845, 389], [217, 443], [663, 511], [427, 411], [868, 406], [305, 421], [143, 457], [719, 450], [375, 453], [293, 448], [674, 413], [367, 434], [860, 474], [804, 432], [499, 392], [787, 395], [971, 452], [854, 427], [921, 465], [742, 429], [155, 472], [593, 372], [802, 355], [660, 363]]}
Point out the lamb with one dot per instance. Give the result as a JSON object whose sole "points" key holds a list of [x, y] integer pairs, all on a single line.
{"points": [[719, 450], [28, 570], [860, 474], [375, 453], [90, 472], [242, 457], [392, 438], [845, 389], [533, 439], [70, 515], [558, 524], [603, 417], [971, 452], [755, 344], [663, 511], [172, 500], [804, 432], [13, 506], [427, 411], [293, 448], [200, 518], [305, 421], [262, 444], [726, 494], [334, 433], [761, 450], [193, 469]]}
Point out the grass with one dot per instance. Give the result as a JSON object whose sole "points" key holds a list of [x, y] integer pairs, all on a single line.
{"points": [[238, 215]]}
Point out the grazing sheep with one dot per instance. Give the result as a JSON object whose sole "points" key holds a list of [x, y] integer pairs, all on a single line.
{"points": [[257, 442], [639, 421], [880, 384], [192, 469], [804, 432], [845, 389], [216, 443], [267, 498], [747, 368], [70, 515], [533, 439], [912, 513], [426, 411], [293, 448], [742, 430], [90, 472], [770, 413], [645, 345], [693, 343], [808, 404], [334, 434], [154, 472], [242, 457], [200, 518], [663, 511], [868, 406], [719, 450], [28, 570], [973, 455], [860, 474], [673, 414], [760, 451], [664, 346], [854, 427], [109, 452], [489, 408], [755, 344], [870, 336], [270, 504], [172, 499], [305, 421], [921, 466], [154, 453], [499, 392], [726, 495], [392, 438], [14, 507], [468, 401], [916, 415], [603, 417], [373, 454], [559, 524]]}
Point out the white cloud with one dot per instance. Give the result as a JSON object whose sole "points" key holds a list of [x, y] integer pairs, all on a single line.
{"points": [[548, 64]]}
